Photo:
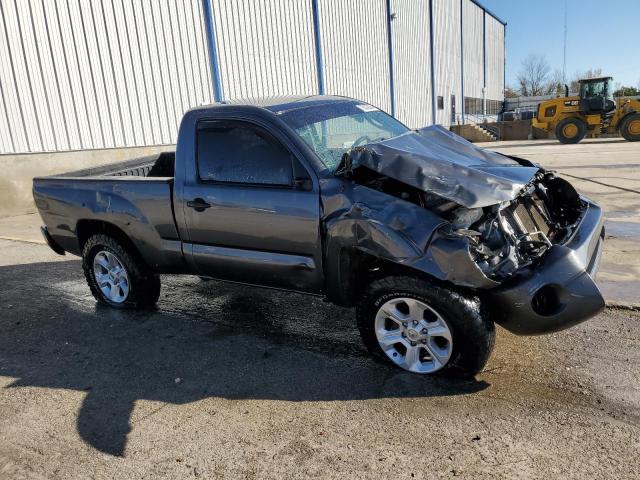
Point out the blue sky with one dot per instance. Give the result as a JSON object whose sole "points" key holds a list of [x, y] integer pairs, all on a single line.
{"points": [[601, 34]]}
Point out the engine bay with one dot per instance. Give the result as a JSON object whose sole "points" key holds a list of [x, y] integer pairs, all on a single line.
{"points": [[505, 237]]}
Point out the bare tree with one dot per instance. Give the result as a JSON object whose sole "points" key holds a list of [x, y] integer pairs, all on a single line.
{"points": [[534, 75], [555, 85]]}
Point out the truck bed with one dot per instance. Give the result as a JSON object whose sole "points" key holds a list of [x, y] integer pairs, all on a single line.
{"points": [[158, 166], [134, 196]]}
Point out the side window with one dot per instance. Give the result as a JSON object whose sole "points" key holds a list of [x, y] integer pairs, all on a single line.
{"points": [[239, 152]]}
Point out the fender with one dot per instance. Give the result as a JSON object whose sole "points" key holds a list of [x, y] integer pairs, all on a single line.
{"points": [[392, 230]]}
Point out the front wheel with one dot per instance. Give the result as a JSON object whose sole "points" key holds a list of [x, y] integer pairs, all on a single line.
{"points": [[424, 328], [630, 128], [571, 130], [116, 276]]}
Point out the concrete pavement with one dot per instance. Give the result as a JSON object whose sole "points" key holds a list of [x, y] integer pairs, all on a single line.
{"points": [[223, 381]]}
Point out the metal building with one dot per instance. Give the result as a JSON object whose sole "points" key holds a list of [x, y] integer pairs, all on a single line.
{"points": [[90, 74]]}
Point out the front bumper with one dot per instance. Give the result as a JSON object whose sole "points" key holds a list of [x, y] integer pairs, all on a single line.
{"points": [[560, 291]]}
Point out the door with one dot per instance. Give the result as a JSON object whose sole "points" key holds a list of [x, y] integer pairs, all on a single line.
{"points": [[252, 212]]}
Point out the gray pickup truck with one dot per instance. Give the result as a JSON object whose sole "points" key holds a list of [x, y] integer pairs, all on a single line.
{"points": [[431, 239]]}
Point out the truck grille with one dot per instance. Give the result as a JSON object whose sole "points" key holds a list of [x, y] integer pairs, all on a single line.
{"points": [[528, 216]]}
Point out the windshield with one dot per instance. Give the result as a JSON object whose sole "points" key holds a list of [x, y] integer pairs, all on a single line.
{"points": [[331, 130]]}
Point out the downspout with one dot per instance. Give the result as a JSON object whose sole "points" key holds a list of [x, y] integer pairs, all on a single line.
{"points": [[390, 48], [504, 67], [433, 75], [209, 26], [484, 64], [462, 102], [318, 46]]}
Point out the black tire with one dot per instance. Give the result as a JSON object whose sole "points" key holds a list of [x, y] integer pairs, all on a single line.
{"points": [[473, 335], [626, 129], [565, 127], [144, 285]]}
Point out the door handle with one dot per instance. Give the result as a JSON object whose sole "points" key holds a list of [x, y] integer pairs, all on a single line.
{"points": [[198, 204]]}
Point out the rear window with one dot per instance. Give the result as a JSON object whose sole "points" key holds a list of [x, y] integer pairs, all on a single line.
{"points": [[239, 152]]}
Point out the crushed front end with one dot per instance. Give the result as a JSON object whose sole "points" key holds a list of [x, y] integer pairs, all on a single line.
{"points": [[518, 235], [542, 250]]}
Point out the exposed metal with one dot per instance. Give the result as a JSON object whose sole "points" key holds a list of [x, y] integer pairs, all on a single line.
{"points": [[413, 335]]}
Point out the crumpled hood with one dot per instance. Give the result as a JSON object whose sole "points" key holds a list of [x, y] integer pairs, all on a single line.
{"points": [[436, 160]]}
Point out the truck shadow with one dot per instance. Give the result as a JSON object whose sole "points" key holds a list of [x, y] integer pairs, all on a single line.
{"points": [[206, 339]]}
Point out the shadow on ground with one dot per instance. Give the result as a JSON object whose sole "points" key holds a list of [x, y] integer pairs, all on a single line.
{"points": [[218, 340]]}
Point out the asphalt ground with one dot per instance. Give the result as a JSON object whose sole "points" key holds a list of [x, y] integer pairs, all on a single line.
{"points": [[224, 381]]}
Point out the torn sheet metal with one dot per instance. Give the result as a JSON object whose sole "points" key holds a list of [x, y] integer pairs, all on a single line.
{"points": [[437, 161]]}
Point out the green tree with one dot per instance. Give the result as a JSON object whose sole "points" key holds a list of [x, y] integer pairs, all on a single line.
{"points": [[626, 92]]}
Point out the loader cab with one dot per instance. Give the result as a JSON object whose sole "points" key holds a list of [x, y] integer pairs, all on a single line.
{"points": [[596, 95]]}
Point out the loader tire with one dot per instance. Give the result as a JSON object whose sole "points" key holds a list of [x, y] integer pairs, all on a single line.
{"points": [[630, 128], [571, 130]]}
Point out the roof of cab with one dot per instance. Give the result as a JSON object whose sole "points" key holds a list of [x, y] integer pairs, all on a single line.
{"points": [[282, 104]]}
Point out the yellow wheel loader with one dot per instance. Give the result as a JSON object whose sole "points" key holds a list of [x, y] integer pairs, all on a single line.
{"points": [[593, 113]]}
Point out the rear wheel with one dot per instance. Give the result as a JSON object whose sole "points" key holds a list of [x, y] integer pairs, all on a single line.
{"points": [[571, 130], [630, 128], [116, 276], [424, 328]]}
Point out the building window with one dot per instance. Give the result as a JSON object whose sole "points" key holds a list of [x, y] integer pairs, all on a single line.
{"points": [[440, 103], [473, 106]]}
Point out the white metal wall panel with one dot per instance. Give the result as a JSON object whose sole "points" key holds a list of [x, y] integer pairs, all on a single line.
{"points": [[472, 49], [447, 48], [355, 49], [411, 62], [494, 37], [265, 48], [80, 74]]}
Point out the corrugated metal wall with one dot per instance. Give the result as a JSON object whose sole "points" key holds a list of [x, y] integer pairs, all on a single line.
{"points": [[265, 47], [494, 35], [447, 48], [472, 42], [86, 74], [355, 50], [411, 62]]}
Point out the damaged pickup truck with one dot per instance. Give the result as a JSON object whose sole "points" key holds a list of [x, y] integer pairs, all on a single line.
{"points": [[431, 239]]}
